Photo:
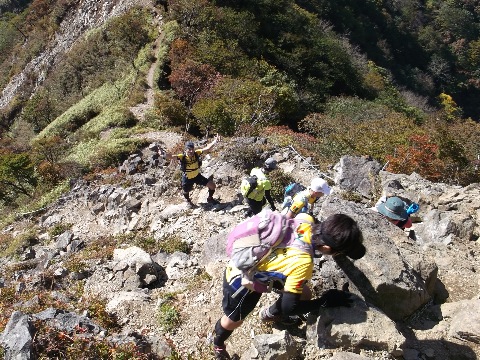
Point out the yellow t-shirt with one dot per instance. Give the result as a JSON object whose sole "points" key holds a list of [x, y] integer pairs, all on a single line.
{"points": [[289, 265], [262, 184], [192, 167], [302, 199]]}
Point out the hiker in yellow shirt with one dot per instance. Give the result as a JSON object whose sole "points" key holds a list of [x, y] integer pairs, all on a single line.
{"points": [[257, 197], [305, 200], [287, 269], [190, 164]]}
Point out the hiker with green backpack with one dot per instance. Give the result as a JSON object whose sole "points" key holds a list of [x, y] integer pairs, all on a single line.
{"points": [[256, 187], [268, 251], [190, 163]]}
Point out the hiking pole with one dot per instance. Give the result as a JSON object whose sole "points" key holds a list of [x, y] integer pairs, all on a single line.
{"points": [[312, 166]]}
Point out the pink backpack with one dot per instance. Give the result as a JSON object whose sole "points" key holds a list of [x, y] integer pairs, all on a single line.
{"points": [[253, 239]]}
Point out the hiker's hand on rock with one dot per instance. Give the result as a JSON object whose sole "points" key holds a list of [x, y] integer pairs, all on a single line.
{"points": [[334, 297]]}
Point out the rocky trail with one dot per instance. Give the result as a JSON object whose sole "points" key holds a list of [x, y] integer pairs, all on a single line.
{"points": [[414, 299]]}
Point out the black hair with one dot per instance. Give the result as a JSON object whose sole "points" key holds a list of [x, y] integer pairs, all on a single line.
{"points": [[341, 233]]}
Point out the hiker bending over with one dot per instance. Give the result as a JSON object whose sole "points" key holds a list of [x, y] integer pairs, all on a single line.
{"points": [[396, 211], [190, 165], [305, 200], [287, 269], [256, 189]]}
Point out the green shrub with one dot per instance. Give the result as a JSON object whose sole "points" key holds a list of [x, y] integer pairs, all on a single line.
{"points": [[40, 109], [143, 240], [75, 264], [19, 243], [97, 311], [5, 241], [201, 278], [168, 316], [351, 196], [51, 343], [234, 102], [17, 176], [279, 180], [172, 244], [351, 126], [168, 111], [137, 92], [243, 156], [50, 196], [114, 152], [59, 229], [99, 248]]}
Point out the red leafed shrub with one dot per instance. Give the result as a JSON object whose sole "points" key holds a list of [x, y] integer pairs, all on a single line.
{"points": [[420, 156], [50, 172], [306, 145], [190, 79]]}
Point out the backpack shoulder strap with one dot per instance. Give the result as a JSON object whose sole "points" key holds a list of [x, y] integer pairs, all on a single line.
{"points": [[183, 161], [252, 183]]}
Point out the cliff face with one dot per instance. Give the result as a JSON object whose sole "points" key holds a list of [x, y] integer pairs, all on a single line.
{"points": [[80, 17]]}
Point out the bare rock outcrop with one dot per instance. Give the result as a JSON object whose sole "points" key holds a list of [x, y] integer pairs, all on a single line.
{"points": [[412, 289], [87, 15]]}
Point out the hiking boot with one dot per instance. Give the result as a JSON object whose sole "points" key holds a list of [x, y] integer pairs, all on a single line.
{"points": [[221, 353], [291, 320], [190, 204], [265, 316], [212, 201]]}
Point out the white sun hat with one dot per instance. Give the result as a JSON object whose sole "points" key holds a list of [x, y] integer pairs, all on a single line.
{"points": [[320, 185]]}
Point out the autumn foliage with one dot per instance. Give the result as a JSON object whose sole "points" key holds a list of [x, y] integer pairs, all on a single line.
{"points": [[190, 79], [420, 156]]}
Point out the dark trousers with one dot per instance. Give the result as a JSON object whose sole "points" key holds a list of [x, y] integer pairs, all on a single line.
{"points": [[256, 206]]}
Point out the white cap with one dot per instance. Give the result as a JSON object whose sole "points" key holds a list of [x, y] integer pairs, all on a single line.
{"points": [[320, 185]]}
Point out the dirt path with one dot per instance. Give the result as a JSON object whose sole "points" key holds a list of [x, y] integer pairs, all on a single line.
{"points": [[139, 110], [167, 139]]}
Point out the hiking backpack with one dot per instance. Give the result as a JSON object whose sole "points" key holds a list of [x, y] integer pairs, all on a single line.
{"points": [[255, 238], [183, 161], [290, 191], [248, 185]]}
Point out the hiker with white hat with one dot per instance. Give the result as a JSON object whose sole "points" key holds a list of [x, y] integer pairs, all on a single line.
{"points": [[304, 201]]}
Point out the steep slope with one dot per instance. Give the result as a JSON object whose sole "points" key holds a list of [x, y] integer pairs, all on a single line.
{"points": [[88, 14], [147, 211]]}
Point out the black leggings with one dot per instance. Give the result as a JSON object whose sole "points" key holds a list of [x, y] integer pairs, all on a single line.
{"points": [[290, 304], [256, 206]]}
